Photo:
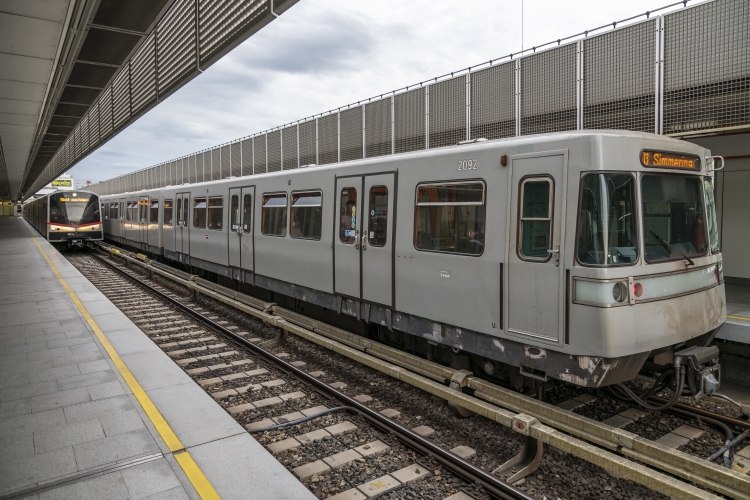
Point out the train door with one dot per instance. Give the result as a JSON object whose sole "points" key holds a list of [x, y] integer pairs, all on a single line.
{"points": [[120, 222], [143, 206], [240, 232], [182, 232], [363, 244], [535, 278]]}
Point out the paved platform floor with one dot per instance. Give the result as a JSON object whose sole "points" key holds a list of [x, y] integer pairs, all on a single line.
{"points": [[737, 327], [71, 427]]}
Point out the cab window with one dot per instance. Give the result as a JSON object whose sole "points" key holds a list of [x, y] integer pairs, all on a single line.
{"points": [[307, 215], [199, 213], [535, 222], [273, 215], [450, 217]]}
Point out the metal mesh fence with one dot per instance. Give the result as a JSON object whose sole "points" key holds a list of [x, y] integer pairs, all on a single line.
{"points": [[289, 143], [176, 44], [409, 113], [214, 164], [493, 102], [307, 143], [619, 86], [328, 139], [143, 75], [235, 153], [447, 112], [548, 91], [351, 134], [260, 154], [121, 98], [274, 151], [224, 154], [707, 67], [378, 130], [247, 157]]}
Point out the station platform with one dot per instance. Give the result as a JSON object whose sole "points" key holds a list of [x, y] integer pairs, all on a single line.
{"points": [[737, 327], [91, 408]]}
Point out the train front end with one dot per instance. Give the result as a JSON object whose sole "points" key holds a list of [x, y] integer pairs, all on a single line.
{"points": [[649, 273], [74, 218]]}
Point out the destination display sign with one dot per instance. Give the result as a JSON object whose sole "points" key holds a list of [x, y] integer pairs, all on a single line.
{"points": [[665, 159], [62, 183], [68, 199]]}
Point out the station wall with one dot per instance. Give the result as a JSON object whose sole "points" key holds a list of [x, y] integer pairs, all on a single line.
{"points": [[733, 202]]}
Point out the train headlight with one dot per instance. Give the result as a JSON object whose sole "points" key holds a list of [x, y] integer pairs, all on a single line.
{"points": [[620, 291]]}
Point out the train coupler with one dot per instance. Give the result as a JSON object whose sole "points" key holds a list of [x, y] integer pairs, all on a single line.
{"points": [[703, 375]]}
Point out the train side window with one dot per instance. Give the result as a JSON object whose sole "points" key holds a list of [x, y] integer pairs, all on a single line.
{"points": [[273, 215], [128, 213], [307, 215], [535, 222], [216, 213], [234, 213], [168, 212], [154, 212], [348, 222], [450, 217], [199, 213], [180, 213], [247, 210], [377, 226]]}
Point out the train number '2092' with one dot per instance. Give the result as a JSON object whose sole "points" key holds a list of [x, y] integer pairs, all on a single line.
{"points": [[467, 165]]}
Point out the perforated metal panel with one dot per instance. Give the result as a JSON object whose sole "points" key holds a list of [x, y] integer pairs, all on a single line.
{"points": [[409, 113], [105, 112], [215, 163], [247, 157], [176, 44], [143, 75], [493, 102], [225, 163], [83, 130], [378, 137], [221, 20], [351, 141], [328, 139], [707, 67], [274, 151], [235, 159], [93, 125], [289, 145], [618, 79], [548, 91], [259, 148], [447, 112], [307, 143], [121, 98]]}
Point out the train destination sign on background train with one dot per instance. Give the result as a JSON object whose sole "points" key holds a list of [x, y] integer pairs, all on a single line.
{"points": [[665, 159]]}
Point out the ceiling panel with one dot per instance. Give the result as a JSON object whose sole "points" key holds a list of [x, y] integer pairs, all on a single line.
{"points": [[23, 91], [50, 10], [108, 47], [134, 15], [24, 69], [25, 36], [91, 75]]}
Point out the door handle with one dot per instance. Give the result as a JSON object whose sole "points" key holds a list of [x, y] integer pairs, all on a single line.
{"points": [[364, 240], [556, 251]]}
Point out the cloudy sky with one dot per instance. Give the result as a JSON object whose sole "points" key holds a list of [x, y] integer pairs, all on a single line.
{"points": [[322, 54]]}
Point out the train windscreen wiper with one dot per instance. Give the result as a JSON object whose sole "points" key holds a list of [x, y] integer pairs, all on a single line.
{"points": [[669, 247]]}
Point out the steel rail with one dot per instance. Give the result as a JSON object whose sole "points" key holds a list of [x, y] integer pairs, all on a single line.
{"points": [[700, 412], [494, 486]]}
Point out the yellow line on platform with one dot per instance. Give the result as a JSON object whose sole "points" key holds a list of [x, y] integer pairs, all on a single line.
{"points": [[191, 469], [738, 317]]}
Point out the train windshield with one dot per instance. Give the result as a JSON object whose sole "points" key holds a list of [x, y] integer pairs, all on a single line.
{"points": [[607, 225], [74, 208], [673, 217]]}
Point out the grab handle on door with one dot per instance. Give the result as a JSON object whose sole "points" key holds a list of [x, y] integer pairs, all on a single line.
{"points": [[356, 240], [556, 251], [364, 240]]}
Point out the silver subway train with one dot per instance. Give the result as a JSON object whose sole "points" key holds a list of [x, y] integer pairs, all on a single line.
{"points": [[577, 256], [69, 218]]}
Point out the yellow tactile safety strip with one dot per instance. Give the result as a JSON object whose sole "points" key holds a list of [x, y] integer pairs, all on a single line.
{"points": [[738, 317], [191, 469]]}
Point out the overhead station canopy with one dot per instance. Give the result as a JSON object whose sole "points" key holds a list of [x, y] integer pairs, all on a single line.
{"points": [[65, 63]]}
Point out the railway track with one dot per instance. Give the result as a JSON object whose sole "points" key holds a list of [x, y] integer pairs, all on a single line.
{"points": [[220, 373]]}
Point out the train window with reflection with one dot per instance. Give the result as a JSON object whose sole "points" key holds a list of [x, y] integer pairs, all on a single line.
{"points": [[168, 212], [607, 222], [450, 217], [129, 211], [154, 212], [377, 226], [234, 213], [247, 210], [348, 221], [307, 215], [273, 215], [216, 213], [199, 213], [674, 222], [713, 228], [535, 221]]}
